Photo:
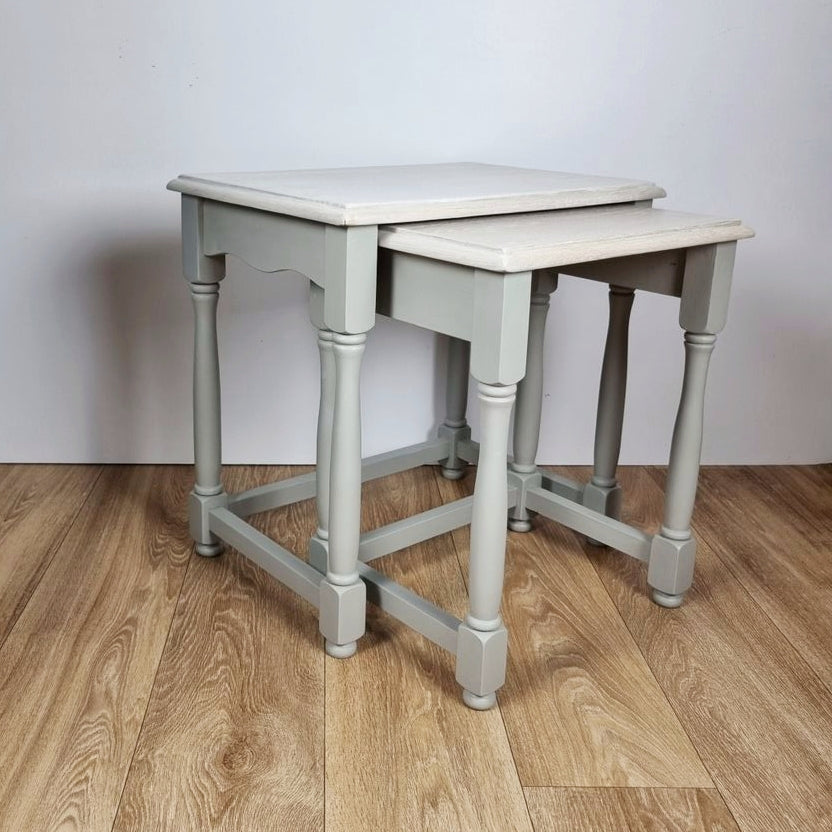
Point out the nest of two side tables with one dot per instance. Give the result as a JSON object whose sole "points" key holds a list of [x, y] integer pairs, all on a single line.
{"points": [[484, 280]]}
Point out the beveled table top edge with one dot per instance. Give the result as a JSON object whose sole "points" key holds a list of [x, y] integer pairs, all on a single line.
{"points": [[436, 240], [611, 190]]}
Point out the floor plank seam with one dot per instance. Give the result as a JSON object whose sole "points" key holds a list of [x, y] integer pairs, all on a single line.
{"points": [[715, 548], [578, 787], [152, 688], [514, 761], [714, 784], [55, 551]]}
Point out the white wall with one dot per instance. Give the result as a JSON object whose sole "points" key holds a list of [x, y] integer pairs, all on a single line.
{"points": [[726, 103]]}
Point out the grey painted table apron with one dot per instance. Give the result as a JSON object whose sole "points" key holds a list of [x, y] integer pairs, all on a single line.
{"points": [[486, 283]]}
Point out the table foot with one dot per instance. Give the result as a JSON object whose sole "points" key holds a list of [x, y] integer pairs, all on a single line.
{"points": [[479, 703], [340, 651], [664, 599], [209, 550], [453, 473], [520, 526], [481, 664]]}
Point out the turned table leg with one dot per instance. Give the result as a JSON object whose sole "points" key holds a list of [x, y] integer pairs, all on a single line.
{"points": [[319, 543], [603, 493], [482, 639], [673, 550], [204, 274], [343, 594], [530, 396], [456, 401], [207, 432]]}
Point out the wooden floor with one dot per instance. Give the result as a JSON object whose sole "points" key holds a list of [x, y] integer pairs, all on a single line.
{"points": [[145, 688]]}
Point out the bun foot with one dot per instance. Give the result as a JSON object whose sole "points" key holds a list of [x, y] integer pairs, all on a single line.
{"points": [[663, 599], [479, 703]]}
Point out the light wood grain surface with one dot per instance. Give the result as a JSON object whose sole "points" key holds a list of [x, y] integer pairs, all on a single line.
{"points": [[234, 730], [37, 506], [408, 193], [794, 581], [548, 239], [143, 688], [757, 713], [804, 491], [629, 810], [77, 668]]}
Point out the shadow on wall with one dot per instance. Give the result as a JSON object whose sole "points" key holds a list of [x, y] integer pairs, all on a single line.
{"points": [[141, 320]]}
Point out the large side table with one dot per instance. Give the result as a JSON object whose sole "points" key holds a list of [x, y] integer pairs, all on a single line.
{"points": [[324, 224]]}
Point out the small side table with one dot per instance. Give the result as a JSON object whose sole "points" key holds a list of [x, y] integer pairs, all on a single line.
{"points": [[627, 246]]}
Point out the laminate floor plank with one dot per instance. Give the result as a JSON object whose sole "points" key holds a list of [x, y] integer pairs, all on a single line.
{"points": [[755, 521], [758, 715], [581, 706], [402, 751], [77, 669], [628, 810], [570, 809], [803, 496], [37, 506], [247, 726], [234, 733]]}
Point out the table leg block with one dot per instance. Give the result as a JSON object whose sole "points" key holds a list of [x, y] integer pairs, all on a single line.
{"points": [[199, 509], [342, 616], [670, 569], [481, 664], [453, 467], [519, 519], [603, 499]]}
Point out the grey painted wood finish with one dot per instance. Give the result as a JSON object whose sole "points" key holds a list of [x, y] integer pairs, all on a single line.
{"points": [[672, 556], [326, 411], [285, 492], [455, 426], [341, 259], [204, 275], [345, 599], [488, 309], [207, 431], [530, 393], [613, 389], [480, 669], [603, 492]]}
